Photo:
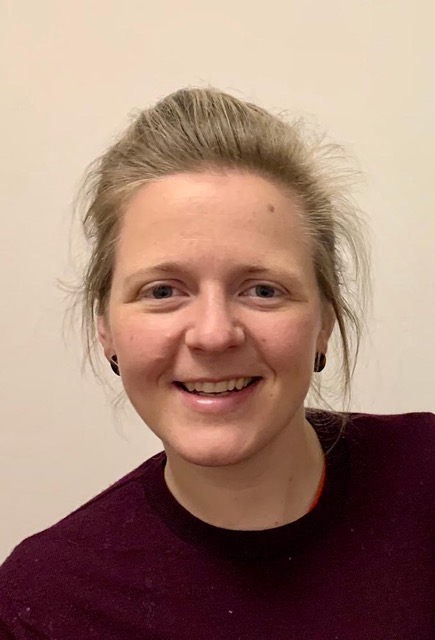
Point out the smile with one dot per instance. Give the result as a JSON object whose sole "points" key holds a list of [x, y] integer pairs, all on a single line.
{"points": [[219, 402], [236, 384]]}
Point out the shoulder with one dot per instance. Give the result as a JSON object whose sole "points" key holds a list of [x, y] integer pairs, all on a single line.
{"points": [[411, 420], [395, 453], [396, 430], [61, 559], [393, 430], [386, 449], [387, 462]]}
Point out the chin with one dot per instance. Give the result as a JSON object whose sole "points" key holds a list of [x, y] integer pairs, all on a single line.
{"points": [[214, 450]]}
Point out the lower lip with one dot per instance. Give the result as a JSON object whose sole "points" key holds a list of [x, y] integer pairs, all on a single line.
{"points": [[222, 404]]}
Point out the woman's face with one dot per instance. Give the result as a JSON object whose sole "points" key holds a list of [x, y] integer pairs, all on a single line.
{"points": [[238, 299]]}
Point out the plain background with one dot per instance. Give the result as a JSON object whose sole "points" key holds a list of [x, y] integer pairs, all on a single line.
{"points": [[71, 74]]}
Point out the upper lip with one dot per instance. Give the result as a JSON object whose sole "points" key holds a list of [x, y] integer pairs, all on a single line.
{"points": [[233, 376]]}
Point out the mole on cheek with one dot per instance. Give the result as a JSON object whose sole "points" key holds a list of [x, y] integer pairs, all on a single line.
{"points": [[271, 208]]}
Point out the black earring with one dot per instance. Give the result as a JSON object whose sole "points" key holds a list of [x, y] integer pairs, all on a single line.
{"points": [[114, 364], [319, 362]]}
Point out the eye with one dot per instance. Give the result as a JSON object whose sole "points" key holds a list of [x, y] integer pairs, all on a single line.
{"points": [[162, 291], [265, 290]]}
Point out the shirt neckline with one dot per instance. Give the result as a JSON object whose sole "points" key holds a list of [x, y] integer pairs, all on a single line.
{"points": [[289, 539]]}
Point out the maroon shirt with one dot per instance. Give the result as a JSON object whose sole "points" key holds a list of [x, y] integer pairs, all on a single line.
{"points": [[134, 564]]}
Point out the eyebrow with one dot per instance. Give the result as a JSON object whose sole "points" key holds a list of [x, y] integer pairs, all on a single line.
{"points": [[172, 267]]}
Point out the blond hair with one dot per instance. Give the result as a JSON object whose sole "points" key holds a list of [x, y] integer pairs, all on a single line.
{"points": [[202, 129]]}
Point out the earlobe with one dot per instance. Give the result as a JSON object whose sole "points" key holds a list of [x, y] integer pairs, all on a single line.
{"points": [[104, 336], [329, 320]]}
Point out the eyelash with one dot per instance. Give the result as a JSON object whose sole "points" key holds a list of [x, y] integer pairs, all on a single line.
{"points": [[164, 284]]}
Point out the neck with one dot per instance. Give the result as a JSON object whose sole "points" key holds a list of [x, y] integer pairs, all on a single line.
{"points": [[272, 488]]}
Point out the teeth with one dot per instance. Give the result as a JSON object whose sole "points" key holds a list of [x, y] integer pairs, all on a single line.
{"points": [[216, 387]]}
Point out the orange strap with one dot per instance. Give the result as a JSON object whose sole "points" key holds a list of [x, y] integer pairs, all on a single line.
{"points": [[319, 488]]}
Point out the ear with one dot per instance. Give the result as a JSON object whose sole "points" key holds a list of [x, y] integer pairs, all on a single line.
{"points": [[105, 336], [328, 323]]}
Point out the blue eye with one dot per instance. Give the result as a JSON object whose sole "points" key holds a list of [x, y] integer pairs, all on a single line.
{"points": [[265, 289], [160, 288], [163, 291]]}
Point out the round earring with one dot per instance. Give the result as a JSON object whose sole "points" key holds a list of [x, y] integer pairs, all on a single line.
{"points": [[114, 364], [319, 362]]}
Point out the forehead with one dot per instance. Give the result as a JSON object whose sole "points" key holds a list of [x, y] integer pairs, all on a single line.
{"points": [[213, 215]]}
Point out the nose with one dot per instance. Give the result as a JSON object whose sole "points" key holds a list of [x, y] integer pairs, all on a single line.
{"points": [[213, 327]]}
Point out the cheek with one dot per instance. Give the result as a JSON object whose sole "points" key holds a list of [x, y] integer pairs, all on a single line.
{"points": [[290, 344], [297, 330], [147, 346], [143, 347]]}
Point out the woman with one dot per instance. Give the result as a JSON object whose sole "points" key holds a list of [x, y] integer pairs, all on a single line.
{"points": [[215, 281]]}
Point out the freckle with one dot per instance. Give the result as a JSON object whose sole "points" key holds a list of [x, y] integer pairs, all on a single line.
{"points": [[271, 208]]}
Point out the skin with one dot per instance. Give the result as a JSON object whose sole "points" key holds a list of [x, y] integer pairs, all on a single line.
{"points": [[257, 467]]}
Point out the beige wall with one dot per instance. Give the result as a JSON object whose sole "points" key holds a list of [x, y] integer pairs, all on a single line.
{"points": [[71, 73]]}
